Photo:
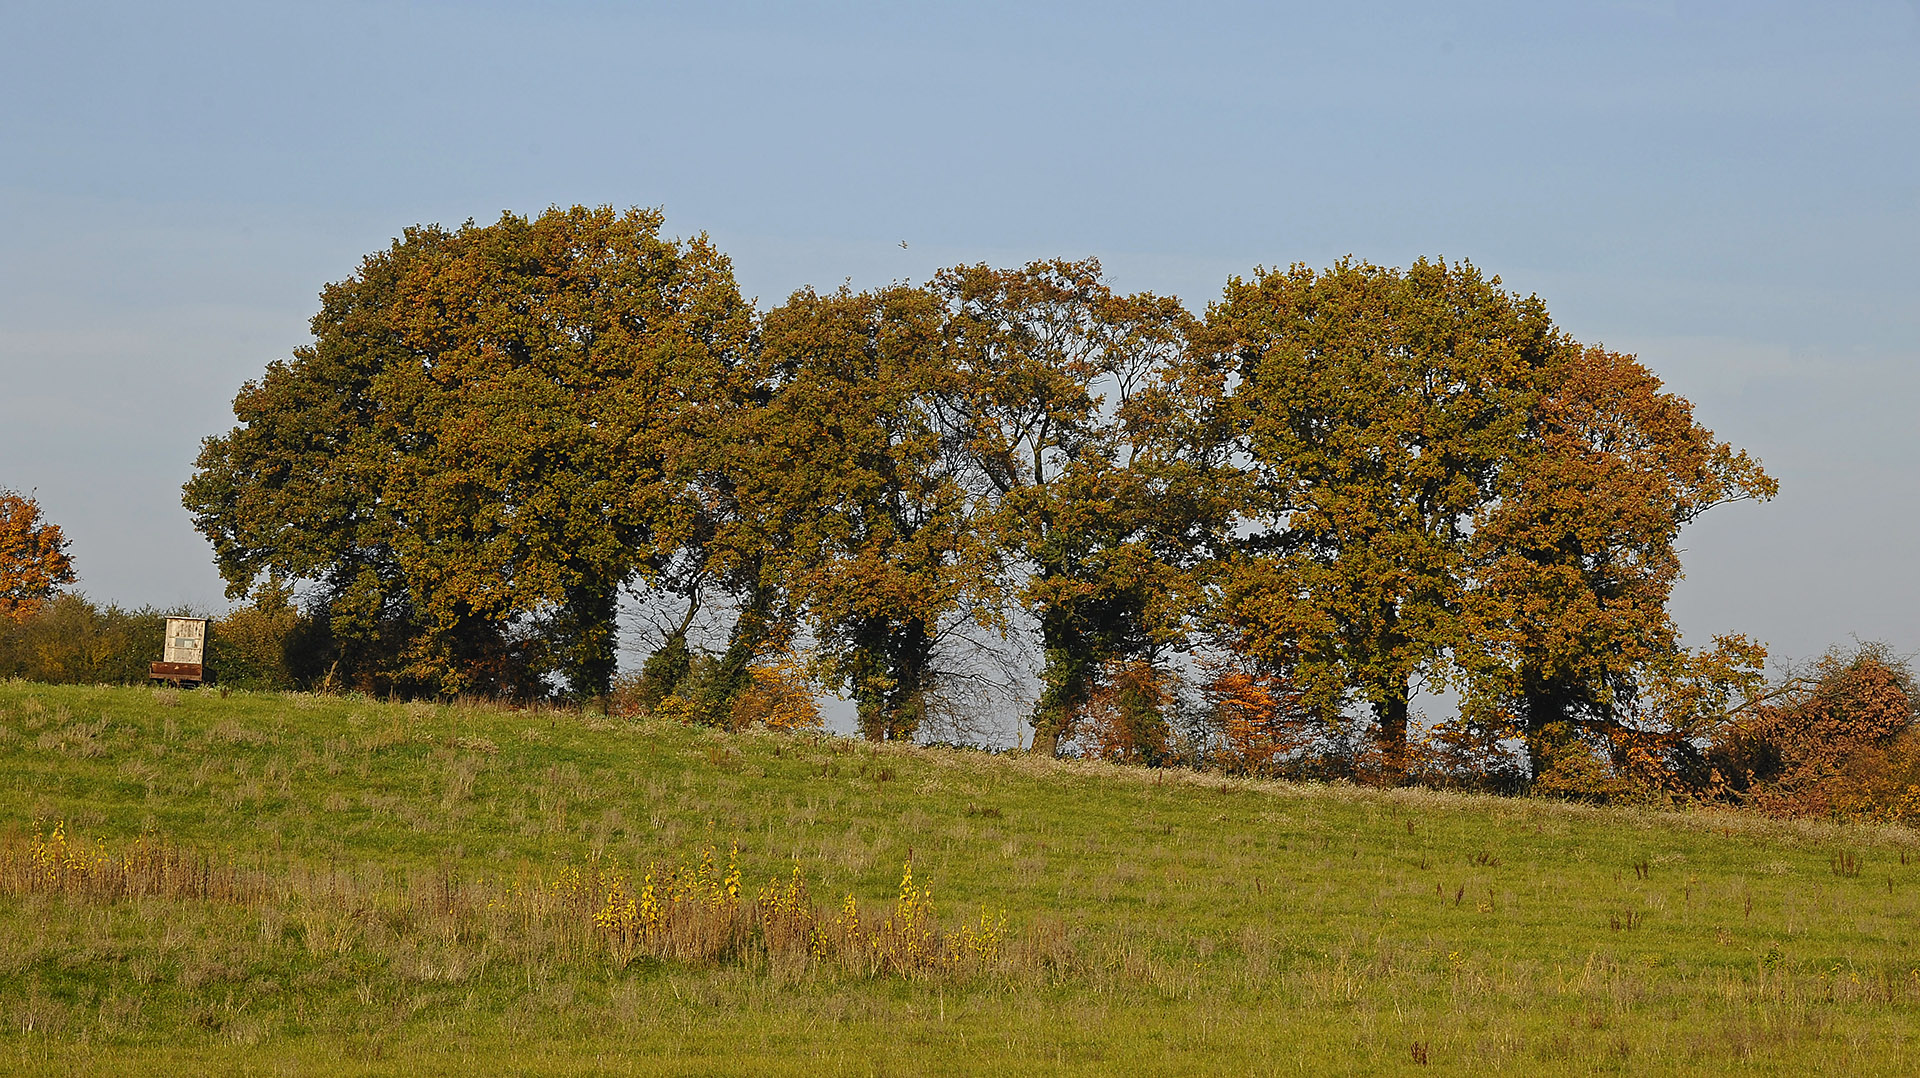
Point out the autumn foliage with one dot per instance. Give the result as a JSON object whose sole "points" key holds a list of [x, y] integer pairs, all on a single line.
{"points": [[1125, 716], [779, 697], [1252, 538], [33, 557], [1839, 741], [1264, 721]]}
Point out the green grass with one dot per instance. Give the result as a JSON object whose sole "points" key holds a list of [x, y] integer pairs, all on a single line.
{"points": [[1161, 922]]}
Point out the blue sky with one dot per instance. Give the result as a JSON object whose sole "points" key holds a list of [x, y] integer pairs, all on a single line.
{"points": [[1730, 191]]}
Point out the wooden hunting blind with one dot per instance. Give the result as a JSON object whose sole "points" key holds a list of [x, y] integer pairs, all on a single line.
{"points": [[183, 655]]}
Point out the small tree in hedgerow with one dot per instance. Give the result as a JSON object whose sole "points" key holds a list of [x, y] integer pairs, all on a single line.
{"points": [[1837, 740], [33, 557]]}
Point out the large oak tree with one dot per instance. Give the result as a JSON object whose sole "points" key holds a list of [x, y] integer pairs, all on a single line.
{"points": [[1375, 409], [1575, 559], [1074, 416], [485, 442]]}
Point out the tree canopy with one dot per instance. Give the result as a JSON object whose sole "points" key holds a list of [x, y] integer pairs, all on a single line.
{"points": [[33, 557], [1256, 535], [491, 435], [1375, 409]]}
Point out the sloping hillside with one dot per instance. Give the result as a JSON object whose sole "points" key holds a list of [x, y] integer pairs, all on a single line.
{"points": [[371, 882]]}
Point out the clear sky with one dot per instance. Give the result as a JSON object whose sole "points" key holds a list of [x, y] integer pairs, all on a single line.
{"points": [[1730, 191]]}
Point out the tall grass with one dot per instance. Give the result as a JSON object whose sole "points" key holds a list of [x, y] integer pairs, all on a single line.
{"points": [[51, 862], [695, 914]]}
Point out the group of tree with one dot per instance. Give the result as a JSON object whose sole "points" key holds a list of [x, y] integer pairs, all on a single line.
{"points": [[1278, 523]]}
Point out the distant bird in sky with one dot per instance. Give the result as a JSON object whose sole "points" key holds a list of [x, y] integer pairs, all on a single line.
{"points": [[903, 245]]}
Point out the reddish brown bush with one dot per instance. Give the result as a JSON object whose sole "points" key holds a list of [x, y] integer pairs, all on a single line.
{"points": [[1840, 741], [1124, 719], [1261, 720]]}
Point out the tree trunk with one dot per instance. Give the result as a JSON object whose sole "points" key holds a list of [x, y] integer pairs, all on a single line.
{"points": [[912, 666], [1546, 704], [1046, 741], [665, 671], [735, 672], [1391, 714], [1065, 679], [590, 642], [899, 657]]}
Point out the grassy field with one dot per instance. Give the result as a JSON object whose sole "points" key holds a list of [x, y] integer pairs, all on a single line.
{"points": [[359, 856]]}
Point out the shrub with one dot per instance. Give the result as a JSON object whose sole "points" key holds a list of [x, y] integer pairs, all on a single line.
{"points": [[1260, 721], [779, 696], [1124, 719], [254, 646], [71, 641], [660, 676], [1840, 741], [264, 645]]}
